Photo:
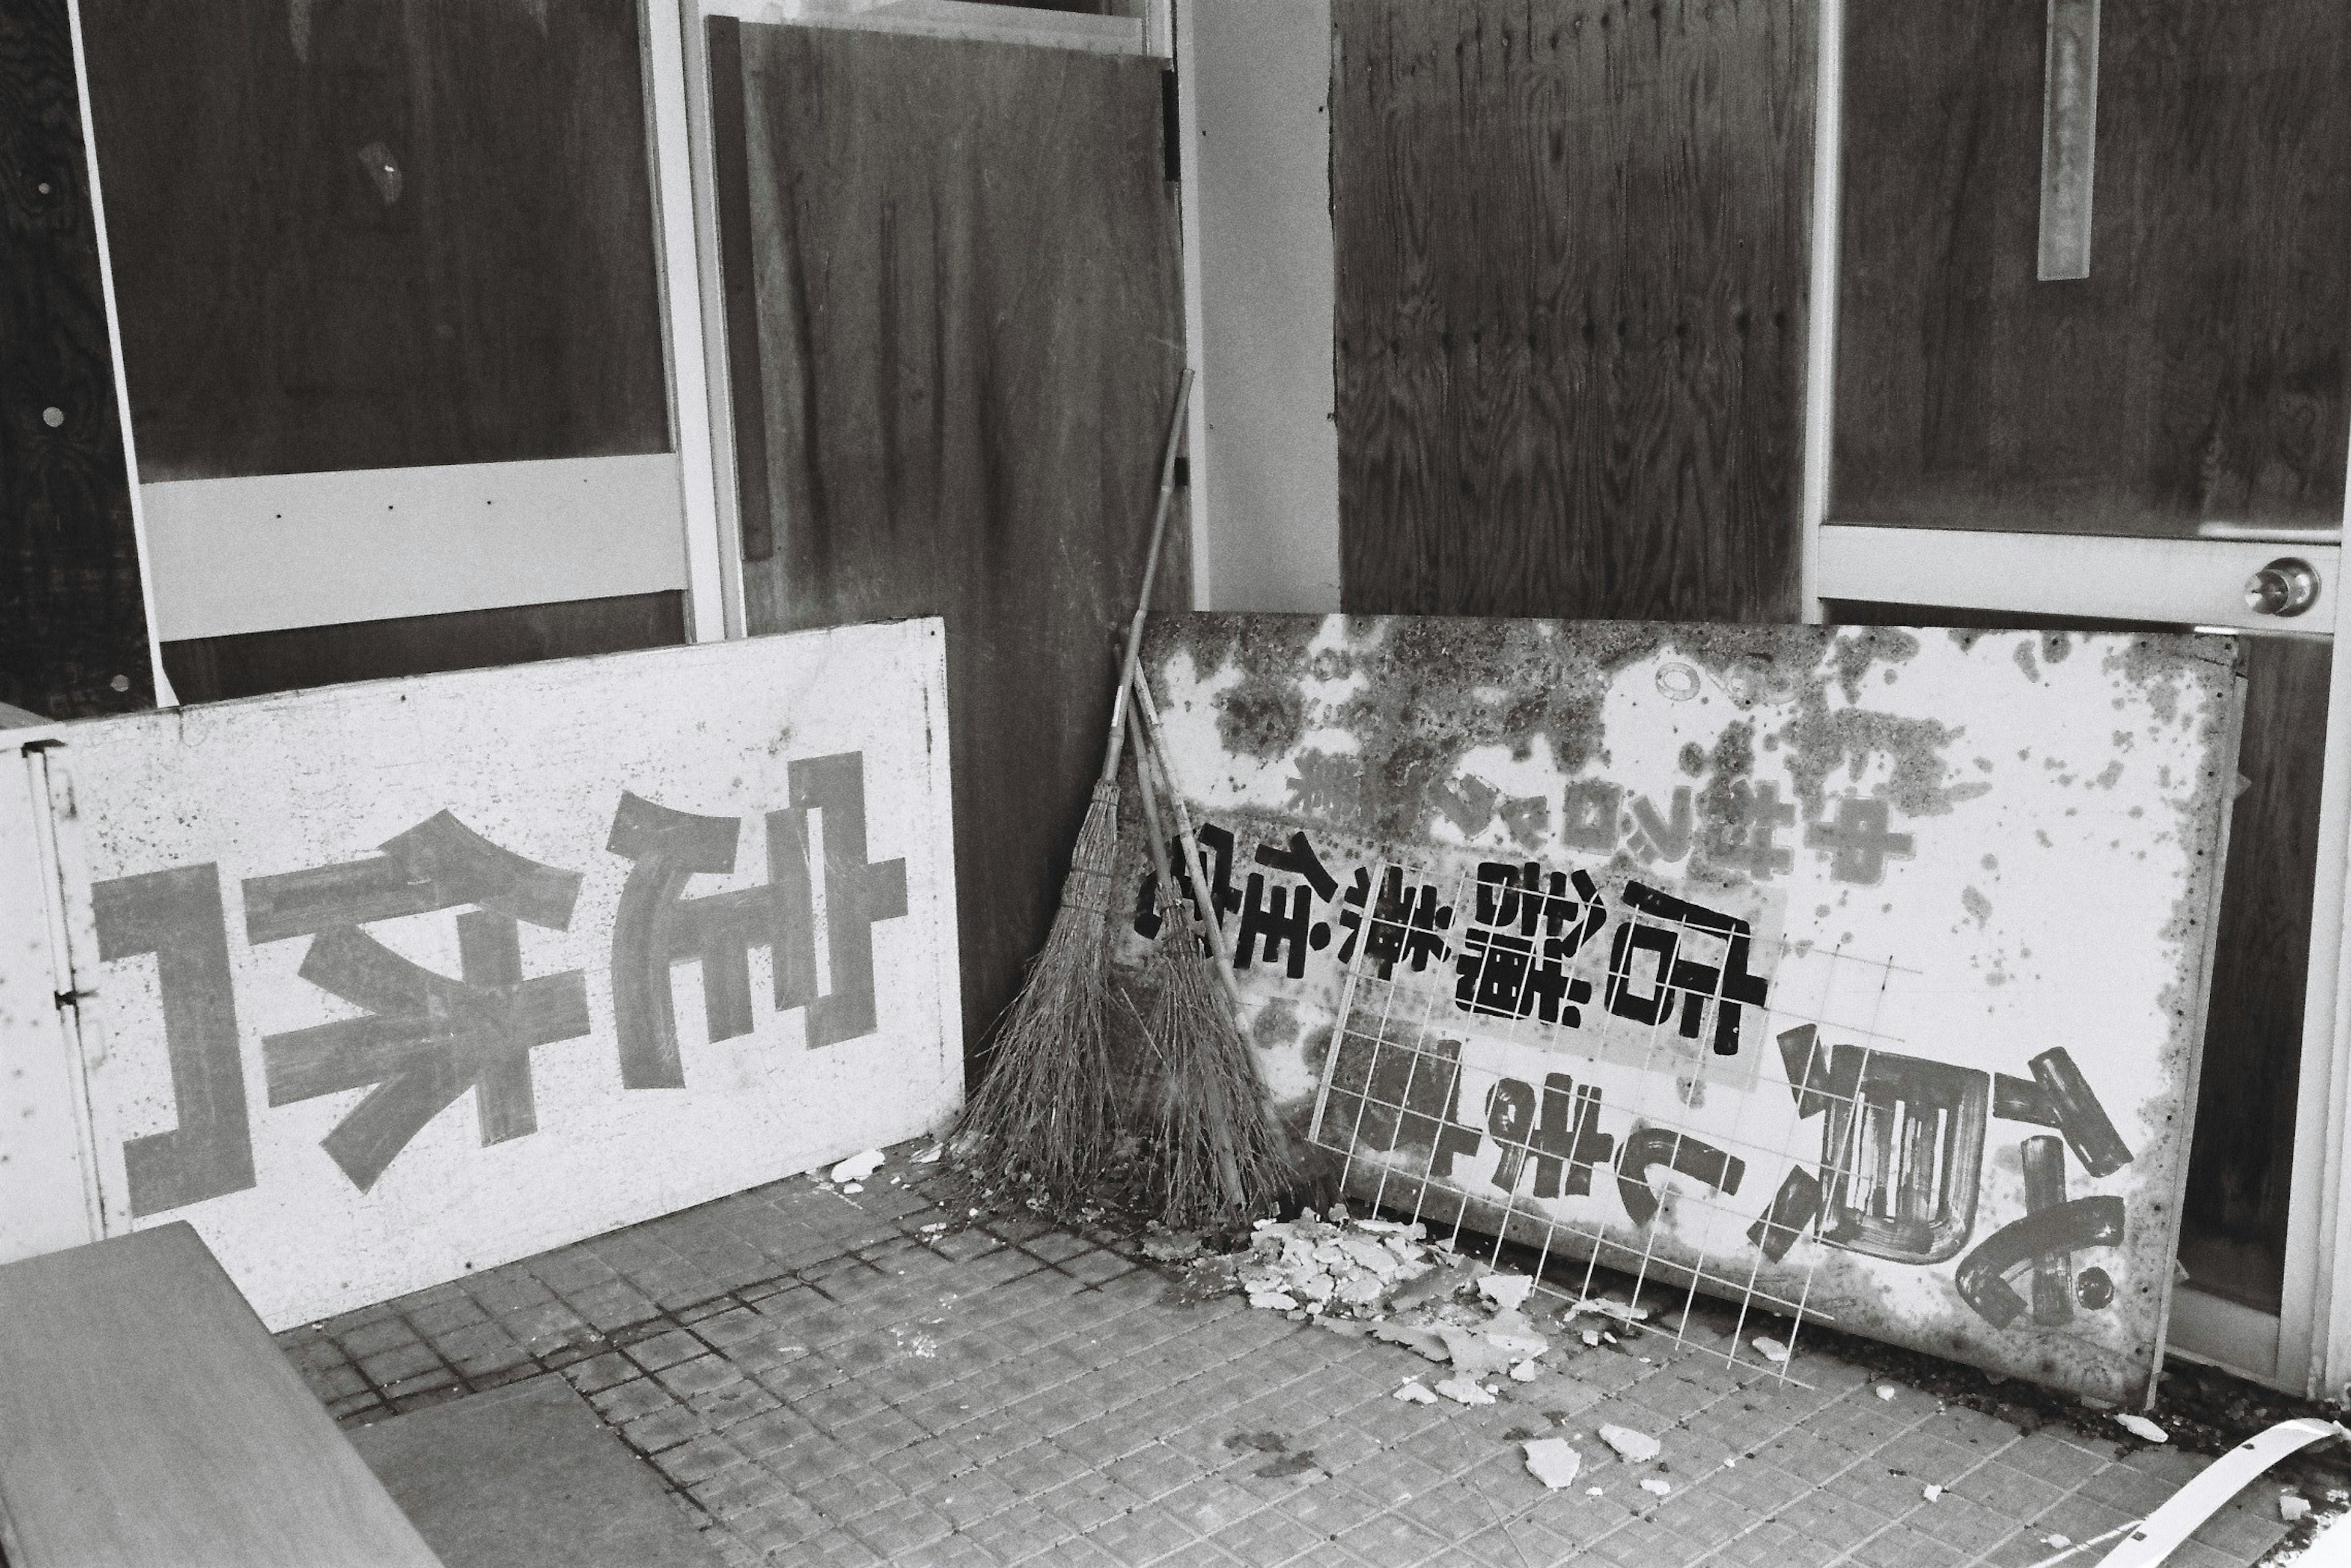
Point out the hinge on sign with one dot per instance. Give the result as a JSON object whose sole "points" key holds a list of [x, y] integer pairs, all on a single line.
{"points": [[1171, 160]]}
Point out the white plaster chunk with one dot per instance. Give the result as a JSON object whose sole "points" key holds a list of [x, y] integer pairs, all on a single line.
{"points": [[1461, 1391], [1553, 1461], [1415, 1392], [1634, 1448], [2138, 1425], [857, 1167]]}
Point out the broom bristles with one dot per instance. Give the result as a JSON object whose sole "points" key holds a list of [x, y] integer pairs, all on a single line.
{"points": [[1222, 1160], [1047, 1106]]}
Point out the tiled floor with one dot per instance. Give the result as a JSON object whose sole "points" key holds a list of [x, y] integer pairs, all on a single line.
{"points": [[821, 1382]]}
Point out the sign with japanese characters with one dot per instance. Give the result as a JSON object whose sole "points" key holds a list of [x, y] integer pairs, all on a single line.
{"points": [[1856, 975], [381, 984]]}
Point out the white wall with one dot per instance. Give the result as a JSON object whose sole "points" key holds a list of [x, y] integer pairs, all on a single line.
{"points": [[1256, 78]]}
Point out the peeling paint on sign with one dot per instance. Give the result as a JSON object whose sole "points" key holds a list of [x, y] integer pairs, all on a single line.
{"points": [[398, 981], [1861, 971]]}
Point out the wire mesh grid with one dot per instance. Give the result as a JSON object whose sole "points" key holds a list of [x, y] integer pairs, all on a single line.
{"points": [[1897, 1173]]}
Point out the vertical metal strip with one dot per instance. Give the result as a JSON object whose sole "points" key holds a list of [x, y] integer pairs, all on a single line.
{"points": [[2069, 139], [43, 786]]}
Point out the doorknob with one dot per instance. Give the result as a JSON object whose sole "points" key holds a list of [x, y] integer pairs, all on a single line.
{"points": [[2288, 586]]}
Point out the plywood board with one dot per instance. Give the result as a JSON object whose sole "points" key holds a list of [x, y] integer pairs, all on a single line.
{"points": [[385, 983], [1571, 248], [1859, 973], [954, 323], [152, 1423]]}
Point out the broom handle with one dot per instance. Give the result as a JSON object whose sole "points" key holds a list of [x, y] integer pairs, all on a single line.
{"points": [[1197, 862], [1158, 842], [1150, 575]]}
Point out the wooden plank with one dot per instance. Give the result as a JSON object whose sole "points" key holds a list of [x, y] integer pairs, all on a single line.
{"points": [[969, 318], [374, 234], [211, 669], [73, 623], [1572, 274], [2198, 372], [151, 1423]]}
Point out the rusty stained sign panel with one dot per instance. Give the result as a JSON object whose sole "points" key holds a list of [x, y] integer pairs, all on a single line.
{"points": [[1857, 975]]}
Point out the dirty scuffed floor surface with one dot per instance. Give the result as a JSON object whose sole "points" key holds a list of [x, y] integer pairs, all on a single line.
{"points": [[833, 1378]]}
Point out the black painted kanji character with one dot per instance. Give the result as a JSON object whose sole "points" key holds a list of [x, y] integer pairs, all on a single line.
{"points": [[1503, 972], [1388, 1094], [1691, 1155], [426, 1037], [1902, 1142], [1278, 921], [1858, 843], [1560, 1132], [657, 926], [1405, 922], [1725, 987]]}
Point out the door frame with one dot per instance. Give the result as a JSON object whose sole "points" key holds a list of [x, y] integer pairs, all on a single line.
{"points": [[2306, 1347]]}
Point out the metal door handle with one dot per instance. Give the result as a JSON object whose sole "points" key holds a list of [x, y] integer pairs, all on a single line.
{"points": [[2288, 586]]}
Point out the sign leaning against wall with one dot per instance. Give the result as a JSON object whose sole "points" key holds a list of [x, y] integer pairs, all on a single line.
{"points": [[383, 984], [1858, 975]]}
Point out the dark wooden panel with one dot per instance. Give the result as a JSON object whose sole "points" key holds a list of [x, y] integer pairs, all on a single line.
{"points": [[211, 669], [970, 315], [2241, 1166], [1571, 261], [2198, 372], [73, 626], [358, 234]]}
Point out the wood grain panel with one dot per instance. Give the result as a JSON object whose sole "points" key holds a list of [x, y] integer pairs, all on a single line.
{"points": [[1571, 262], [72, 621], [967, 310], [212, 669], [154, 1424], [371, 234], [2198, 372], [2242, 1166]]}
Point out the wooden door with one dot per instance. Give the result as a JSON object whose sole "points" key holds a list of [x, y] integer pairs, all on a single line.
{"points": [[954, 334]]}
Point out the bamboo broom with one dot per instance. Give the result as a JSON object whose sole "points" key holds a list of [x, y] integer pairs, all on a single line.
{"points": [[1219, 1157], [1047, 1107]]}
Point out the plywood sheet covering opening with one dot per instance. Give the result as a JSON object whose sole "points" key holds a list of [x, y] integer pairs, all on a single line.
{"points": [[374, 233], [1860, 974], [1572, 245], [955, 328], [2197, 372]]}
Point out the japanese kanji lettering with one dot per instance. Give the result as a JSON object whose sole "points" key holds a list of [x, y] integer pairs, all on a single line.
{"points": [[1725, 986], [1514, 957], [657, 926], [426, 1037]]}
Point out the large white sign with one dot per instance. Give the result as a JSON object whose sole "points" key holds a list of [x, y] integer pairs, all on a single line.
{"points": [[383, 984], [1856, 974]]}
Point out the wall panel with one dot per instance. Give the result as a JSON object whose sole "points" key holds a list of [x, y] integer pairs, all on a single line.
{"points": [[1572, 269]]}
